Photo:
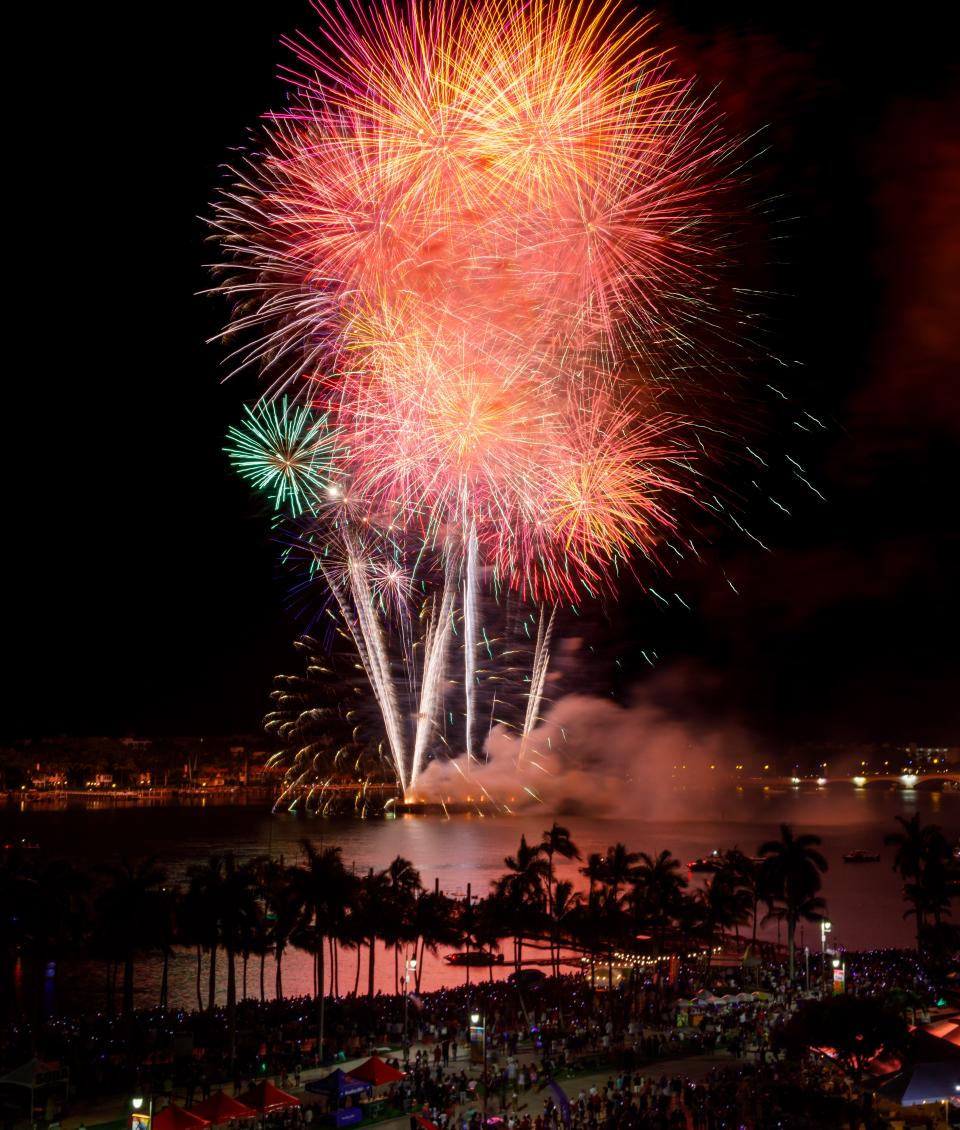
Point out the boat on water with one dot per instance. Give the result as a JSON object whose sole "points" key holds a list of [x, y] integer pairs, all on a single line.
{"points": [[861, 855], [711, 862], [473, 957]]}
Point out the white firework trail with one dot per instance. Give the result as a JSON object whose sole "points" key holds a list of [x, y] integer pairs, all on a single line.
{"points": [[538, 677], [470, 639], [434, 665]]}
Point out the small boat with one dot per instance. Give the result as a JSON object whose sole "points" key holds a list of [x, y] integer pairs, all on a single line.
{"points": [[711, 862], [861, 856], [473, 957]]}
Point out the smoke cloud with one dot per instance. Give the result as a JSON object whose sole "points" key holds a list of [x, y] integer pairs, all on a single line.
{"points": [[594, 756]]}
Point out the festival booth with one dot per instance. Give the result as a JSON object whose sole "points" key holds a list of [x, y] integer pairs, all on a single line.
{"points": [[174, 1117], [376, 1072], [338, 1086], [379, 1075], [220, 1108], [923, 1095], [264, 1097], [36, 1076]]}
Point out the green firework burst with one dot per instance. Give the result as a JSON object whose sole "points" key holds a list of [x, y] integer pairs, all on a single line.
{"points": [[286, 452]]}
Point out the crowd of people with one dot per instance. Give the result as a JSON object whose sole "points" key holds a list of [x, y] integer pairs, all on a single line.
{"points": [[557, 1031]]}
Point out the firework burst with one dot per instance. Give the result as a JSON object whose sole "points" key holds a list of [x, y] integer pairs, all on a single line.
{"points": [[467, 238], [286, 452]]}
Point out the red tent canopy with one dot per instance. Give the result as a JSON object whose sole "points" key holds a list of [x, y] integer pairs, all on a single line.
{"points": [[265, 1097], [377, 1072], [174, 1117], [220, 1108]]}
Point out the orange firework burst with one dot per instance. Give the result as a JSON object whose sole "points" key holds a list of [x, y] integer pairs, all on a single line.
{"points": [[478, 217]]}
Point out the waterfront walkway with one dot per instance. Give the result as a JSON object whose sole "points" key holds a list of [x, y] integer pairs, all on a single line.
{"points": [[110, 1113]]}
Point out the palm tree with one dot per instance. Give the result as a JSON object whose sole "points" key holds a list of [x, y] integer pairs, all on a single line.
{"points": [[923, 860], [566, 901], [743, 873], [126, 911], [657, 894], [367, 913], [791, 871], [403, 886], [283, 907], [485, 925], [912, 845], [236, 912], [556, 841], [325, 889], [432, 925], [203, 916], [594, 871], [727, 903], [521, 889], [43, 909], [163, 927]]}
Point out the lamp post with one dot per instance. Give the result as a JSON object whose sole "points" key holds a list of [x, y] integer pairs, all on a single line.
{"points": [[410, 967], [825, 928], [479, 1020], [141, 1121]]}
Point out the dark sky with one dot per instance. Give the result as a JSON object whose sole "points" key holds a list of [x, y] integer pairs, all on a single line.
{"points": [[141, 589]]}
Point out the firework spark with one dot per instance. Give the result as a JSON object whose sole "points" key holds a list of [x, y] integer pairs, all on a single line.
{"points": [[467, 238], [286, 452]]}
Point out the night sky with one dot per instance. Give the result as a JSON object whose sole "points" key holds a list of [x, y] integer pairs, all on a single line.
{"points": [[142, 592]]}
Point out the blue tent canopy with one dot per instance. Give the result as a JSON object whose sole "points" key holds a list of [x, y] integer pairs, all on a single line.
{"points": [[932, 1082], [337, 1085]]}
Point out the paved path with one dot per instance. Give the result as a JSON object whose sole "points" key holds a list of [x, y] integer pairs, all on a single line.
{"points": [[693, 1067]]}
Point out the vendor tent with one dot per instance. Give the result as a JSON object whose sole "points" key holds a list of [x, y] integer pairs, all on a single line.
{"points": [[338, 1085], [264, 1097], [35, 1075], [220, 1108], [174, 1117], [924, 1083], [948, 1030], [377, 1072]]}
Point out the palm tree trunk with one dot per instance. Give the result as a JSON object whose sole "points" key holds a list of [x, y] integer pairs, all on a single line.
{"points": [[322, 997], [372, 958], [212, 980], [791, 944], [420, 959], [278, 985], [356, 980], [232, 1003], [164, 977], [199, 969]]}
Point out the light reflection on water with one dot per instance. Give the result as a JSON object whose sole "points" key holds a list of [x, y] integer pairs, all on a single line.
{"points": [[865, 902]]}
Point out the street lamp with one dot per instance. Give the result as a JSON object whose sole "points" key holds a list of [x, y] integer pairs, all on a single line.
{"points": [[140, 1121], [479, 1020], [825, 928], [411, 967]]}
